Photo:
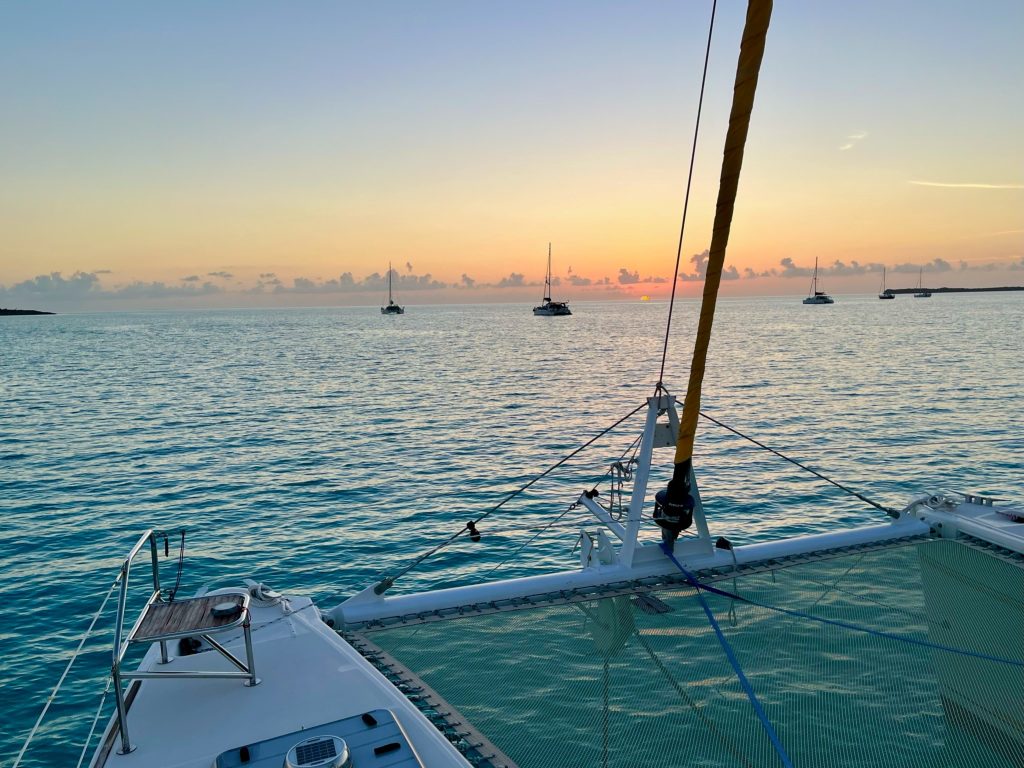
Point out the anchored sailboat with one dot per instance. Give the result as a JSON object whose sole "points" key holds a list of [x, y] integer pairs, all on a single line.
{"points": [[246, 676], [885, 293], [816, 296], [921, 292], [547, 306], [392, 307]]}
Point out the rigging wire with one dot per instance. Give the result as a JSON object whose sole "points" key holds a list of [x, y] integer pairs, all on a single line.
{"points": [[95, 720], [888, 510], [686, 202], [530, 541], [60, 682], [388, 581]]}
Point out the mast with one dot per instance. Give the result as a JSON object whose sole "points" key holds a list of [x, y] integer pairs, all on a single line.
{"points": [[814, 280], [755, 30], [390, 301], [547, 279]]}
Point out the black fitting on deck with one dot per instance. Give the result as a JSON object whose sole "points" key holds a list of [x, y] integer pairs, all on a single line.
{"points": [[673, 506]]}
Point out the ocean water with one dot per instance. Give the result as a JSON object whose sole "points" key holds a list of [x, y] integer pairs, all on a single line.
{"points": [[315, 449]]}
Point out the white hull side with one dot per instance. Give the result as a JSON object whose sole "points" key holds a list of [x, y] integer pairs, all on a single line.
{"points": [[309, 676]]}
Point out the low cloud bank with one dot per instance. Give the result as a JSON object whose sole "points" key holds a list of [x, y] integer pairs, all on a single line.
{"points": [[84, 286]]}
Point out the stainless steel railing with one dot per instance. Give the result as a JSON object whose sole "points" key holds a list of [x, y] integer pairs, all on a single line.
{"points": [[121, 642]]}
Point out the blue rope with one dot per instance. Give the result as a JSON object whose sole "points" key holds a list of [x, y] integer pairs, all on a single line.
{"points": [[836, 623], [747, 688]]}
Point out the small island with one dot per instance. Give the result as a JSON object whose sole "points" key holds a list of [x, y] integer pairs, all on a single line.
{"points": [[24, 312], [957, 290]]}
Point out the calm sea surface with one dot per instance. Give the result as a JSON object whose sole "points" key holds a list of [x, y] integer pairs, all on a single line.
{"points": [[314, 449]]}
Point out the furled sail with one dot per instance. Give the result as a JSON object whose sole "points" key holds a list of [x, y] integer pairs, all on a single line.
{"points": [[751, 52]]}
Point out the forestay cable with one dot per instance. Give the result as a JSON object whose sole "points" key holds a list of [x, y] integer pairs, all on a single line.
{"points": [[388, 581], [686, 201]]}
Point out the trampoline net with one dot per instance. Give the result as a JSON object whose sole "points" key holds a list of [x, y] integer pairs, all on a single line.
{"points": [[612, 683]]}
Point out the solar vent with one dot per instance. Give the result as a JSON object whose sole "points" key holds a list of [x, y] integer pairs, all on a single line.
{"points": [[319, 752]]}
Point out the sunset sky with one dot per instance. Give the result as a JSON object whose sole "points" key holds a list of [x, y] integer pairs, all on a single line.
{"points": [[272, 154]]}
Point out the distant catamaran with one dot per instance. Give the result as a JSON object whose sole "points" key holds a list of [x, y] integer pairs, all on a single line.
{"points": [[547, 306], [392, 308], [816, 296]]}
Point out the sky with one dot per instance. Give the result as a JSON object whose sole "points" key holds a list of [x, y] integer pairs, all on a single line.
{"points": [[268, 154]]}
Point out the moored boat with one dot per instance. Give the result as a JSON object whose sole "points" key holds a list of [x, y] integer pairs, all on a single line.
{"points": [[816, 296], [392, 307], [921, 292], [547, 307], [885, 293]]}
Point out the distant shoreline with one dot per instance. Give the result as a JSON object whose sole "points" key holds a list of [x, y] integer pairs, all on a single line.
{"points": [[24, 312], [957, 290]]}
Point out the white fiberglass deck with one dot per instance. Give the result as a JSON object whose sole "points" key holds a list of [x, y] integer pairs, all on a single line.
{"points": [[309, 676]]}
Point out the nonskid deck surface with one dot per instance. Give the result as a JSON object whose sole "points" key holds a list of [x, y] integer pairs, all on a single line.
{"points": [[615, 682], [309, 677]]}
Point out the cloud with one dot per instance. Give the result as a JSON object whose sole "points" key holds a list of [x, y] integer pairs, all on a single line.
{"points": [[579, 281], [515, 280], [700, 267], [346, 283], [790, 269], [408, 266], [223, 275], [700, 270], [633, 278], [86, 285], [964, 185], [935, 265], [853, 140], [55, 286], [853, 268], [267, 281], [628, 278], [1016, 266], [190, 279], [467, 281], [158, 290]]}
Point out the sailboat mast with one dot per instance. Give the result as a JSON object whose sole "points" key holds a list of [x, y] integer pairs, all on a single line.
{"points": [[755, 30], [389, 284], [814, 280], [547, 279]]}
